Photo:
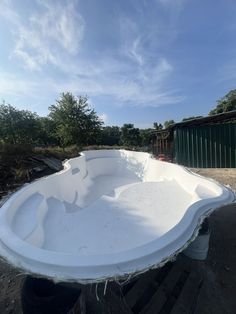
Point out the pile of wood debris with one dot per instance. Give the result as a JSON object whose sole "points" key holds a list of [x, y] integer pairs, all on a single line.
{"points": [[16, 171]]}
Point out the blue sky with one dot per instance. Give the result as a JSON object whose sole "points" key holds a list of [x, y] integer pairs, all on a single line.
{"points": [[139, 61]]}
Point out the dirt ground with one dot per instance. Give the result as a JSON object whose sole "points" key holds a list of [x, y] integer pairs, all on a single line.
{"points": [[220, 264], [221, 259]]}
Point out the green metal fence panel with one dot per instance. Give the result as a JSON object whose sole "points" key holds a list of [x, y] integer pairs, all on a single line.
{"points": [[210, 146]]}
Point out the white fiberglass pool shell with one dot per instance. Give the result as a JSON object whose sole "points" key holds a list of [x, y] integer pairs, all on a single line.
{"points": [[109, 213]]}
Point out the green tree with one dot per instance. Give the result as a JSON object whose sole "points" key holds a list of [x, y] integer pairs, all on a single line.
{"points": [[76, 122], [110, 135], [225, 104], [47, 135], [168, 123], [146, 136], [130, 136], [18, 126], [157, 126]]}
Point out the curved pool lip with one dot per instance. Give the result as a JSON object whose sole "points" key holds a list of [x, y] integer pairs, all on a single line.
{"points": [[93, 268]]}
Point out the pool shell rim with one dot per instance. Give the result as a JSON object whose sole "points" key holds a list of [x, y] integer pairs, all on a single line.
{"points": [[12, 242]]}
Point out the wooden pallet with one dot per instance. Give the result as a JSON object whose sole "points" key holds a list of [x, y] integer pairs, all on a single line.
{"points": [[172, 289]]}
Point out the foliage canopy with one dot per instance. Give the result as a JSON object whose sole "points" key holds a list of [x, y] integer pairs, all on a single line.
{"points": [[226, 103], [75, 121], [18, 126]]}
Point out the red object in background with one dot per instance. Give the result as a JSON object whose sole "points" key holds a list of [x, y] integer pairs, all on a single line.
{"points": [[163, 157]]}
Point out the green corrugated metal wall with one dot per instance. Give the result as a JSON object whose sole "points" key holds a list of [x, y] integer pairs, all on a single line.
{"points": [[210, 146]]}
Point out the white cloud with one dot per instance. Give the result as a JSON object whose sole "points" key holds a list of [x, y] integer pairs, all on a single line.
{"points": [[60, 22], [54, 35], [103, 117], [144, 87], [131, 45], [7, 12], [134, 53], [58, 26], [16, 86], [145, 84]]}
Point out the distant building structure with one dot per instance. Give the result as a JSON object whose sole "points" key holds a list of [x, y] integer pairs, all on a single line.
{"points": [[208, 142]]}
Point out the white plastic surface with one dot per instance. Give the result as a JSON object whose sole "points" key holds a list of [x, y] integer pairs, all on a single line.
{"points": [[109, 213], [198, 249]]}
